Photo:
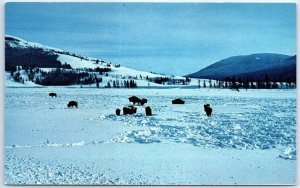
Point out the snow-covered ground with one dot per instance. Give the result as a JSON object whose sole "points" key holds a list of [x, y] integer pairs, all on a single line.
{"points": [[249, 139]]}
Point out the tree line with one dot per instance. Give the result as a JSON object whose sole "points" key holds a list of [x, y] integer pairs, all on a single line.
{"points": [[249, 83], [121, 84], [169, 80], [56, 77], [65, 75]]}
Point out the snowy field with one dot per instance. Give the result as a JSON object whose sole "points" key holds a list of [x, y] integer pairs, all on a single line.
{"points": [[249, 139]]}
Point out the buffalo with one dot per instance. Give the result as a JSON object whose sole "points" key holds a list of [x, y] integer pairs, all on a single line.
{"points": [[134, 99], [143, 101], [52, 94], [148, 111], [177, 101], [137, 100], [71, 104], [118, 112], [208, 109], [129, 110]]}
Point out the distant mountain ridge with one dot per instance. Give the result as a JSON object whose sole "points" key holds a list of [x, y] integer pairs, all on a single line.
{"points": [[276, 67]]}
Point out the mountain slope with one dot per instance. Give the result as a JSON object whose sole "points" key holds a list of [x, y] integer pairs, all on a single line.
{"points": [[256, 66], [19, 52], [33, 61]]}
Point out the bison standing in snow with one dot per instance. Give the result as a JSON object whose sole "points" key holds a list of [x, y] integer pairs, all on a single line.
{"points": [[143, 101], [208, 109], [52, 94], [148, 111], [134, 99], [137, 100], [72, 104], [118, 112], [177, 101], [129, 110]]}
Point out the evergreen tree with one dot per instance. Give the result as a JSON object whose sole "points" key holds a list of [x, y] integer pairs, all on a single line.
{"points": [[267, 82], [135, 84], [274, 85], [17, 77], [37, 80], [117, 83], [226, 84], [108, 84], [289, 83], [234, 84], [240, 82], [246, 84], [114, 84], [125, 84], [97, 82], [252, 86], [130, 83]]}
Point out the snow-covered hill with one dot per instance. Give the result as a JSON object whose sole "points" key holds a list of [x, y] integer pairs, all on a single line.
{"points": [[278, 67], [27, 55]]}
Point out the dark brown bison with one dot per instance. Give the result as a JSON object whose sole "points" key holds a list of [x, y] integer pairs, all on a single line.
{"points": [[129, 110], [208, 109], [134, 99], [52, 94], [137, 100], [148, 111], [143, 101], [118, 112], [178, 101], [71, 104]]}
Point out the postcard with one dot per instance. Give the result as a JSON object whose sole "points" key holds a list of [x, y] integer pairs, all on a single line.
{"points": [[135, 93]]}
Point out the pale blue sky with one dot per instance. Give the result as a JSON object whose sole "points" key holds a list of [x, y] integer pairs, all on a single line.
{"points": [[172, 38]]}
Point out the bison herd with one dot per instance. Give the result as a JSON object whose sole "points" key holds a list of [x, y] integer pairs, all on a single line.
{"points": [[129, 110]]}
